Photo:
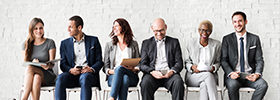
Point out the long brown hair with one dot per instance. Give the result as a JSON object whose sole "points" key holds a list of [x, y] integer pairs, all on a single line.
{"points": [[29, 43], [126, 31]]}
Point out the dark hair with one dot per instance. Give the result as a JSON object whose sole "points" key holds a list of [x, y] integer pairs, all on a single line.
{"points": [[29, 43], [126, 31], [239, 13], [78, 21]]}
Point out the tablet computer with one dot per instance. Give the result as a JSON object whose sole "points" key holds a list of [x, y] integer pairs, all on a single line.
{"points": [[38, 64], [55, 60]]}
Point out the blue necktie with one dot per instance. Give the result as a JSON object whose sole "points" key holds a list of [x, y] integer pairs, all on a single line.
{"points": [[241, 55]]}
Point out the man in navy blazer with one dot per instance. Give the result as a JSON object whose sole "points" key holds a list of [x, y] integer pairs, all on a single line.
{"points": [[242, 60], [81, 61], [160, 53]]}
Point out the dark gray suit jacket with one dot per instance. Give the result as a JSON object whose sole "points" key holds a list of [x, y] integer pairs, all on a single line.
{"points": [[229, 56], [149, 53]]}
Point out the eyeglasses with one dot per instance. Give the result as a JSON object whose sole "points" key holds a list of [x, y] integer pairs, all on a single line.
{"points": [[202, 30], [161, 31]]}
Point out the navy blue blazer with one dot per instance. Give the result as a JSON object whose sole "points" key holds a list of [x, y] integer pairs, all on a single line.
{"points": [[93, 54]]}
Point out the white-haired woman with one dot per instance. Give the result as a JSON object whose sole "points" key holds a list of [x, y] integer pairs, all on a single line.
{"points": [[203, 61]]}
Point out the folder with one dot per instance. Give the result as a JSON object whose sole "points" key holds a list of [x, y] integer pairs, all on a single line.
{"points": [[131, 62]]}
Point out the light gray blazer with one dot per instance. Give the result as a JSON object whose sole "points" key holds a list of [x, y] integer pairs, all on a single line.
{"points": [[192, 55], [110, 54]]}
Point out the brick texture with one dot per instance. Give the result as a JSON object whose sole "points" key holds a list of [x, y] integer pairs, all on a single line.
{"points": [[181, 16]]}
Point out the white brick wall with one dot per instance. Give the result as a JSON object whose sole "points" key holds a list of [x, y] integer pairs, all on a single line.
{"points": [[182, 17]]}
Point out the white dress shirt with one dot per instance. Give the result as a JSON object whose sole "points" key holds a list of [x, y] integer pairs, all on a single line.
{"points": [[161, 61], [204, 58], [248, 69], [120, 55], [80, 52]]}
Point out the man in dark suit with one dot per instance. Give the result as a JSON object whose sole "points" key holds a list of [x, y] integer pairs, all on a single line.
{"points": [[158, 53], [242, 60], [81, 61]]}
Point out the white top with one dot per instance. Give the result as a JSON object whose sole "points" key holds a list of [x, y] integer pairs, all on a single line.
{"points": [[204, 59], [120, 55], [161, 61], [80, 52], [248, 69]]}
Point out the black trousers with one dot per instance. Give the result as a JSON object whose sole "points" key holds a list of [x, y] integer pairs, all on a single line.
{"points": [[174, 84], [260, 86]]}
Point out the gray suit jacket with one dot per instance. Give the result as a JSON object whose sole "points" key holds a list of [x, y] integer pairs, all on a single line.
{"points": [[230, 53], [110, 54], [192, 55], [149, 53]]}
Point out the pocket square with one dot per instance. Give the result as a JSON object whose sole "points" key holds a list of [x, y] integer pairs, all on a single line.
{"points": [[92, 47], [252, 47]]}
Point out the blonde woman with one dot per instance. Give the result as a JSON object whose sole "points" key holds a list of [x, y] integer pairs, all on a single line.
{"points": [[37, 48]]}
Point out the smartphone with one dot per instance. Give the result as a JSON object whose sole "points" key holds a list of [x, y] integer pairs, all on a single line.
{"points": [[243, 75], [164, 71], [79, 67]]}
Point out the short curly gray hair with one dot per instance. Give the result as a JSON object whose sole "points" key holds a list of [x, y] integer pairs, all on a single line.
{"points": [[207, 22]]}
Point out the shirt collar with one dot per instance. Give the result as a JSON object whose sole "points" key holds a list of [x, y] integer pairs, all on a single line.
{"points": [[74, 39], [238, 37], [160, 40], [200, 46]]}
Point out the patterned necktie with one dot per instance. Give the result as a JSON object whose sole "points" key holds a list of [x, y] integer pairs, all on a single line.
{"points": [[241, 55]]}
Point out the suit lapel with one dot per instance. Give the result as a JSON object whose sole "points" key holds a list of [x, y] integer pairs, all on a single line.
{"points": [[113, 54], [248, 41], [129, 50], [197, 55], [154, 48], [87, 45], [166, 47], [234, 46], [71, 50], [211, 50]]}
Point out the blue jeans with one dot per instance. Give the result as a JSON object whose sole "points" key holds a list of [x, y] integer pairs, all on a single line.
{"points": [[67, 80], [120, 81]]}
